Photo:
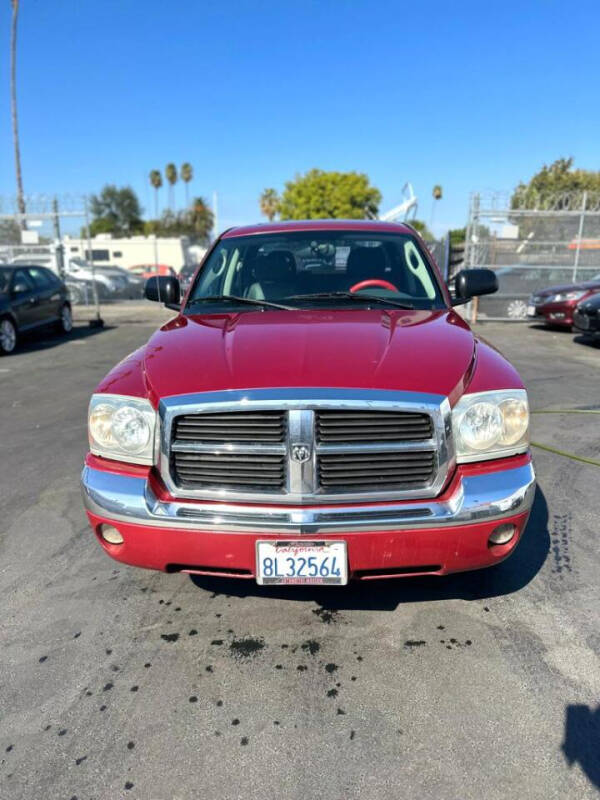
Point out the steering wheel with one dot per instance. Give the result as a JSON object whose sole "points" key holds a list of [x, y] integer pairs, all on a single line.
{"points": [[373, 282]]}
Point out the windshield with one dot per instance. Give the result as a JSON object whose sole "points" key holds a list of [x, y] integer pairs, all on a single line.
{"points": [[316, 269]]}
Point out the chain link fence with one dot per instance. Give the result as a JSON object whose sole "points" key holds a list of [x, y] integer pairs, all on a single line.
{"points": [[531, 241], [35, 237], [39, 230]]}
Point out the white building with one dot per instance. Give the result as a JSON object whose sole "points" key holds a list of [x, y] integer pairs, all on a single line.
{"points": [[172, 251]]}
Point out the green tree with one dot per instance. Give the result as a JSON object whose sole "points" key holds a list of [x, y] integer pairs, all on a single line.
{"points": [[156, 183], [102, 225], [13, 108], [269, 203], [186, 173], [559, 177], [323, 195], [457, 235], [422, 228], [201, 219], [116, 210], [553, 187], [195, 222], [171, 176]]}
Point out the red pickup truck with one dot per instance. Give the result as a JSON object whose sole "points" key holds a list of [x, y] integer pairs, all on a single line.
{"points": [[315, 412]]}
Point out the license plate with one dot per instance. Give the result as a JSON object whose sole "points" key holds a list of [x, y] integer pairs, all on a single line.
{"points": [[299, 562], [531, 311]]}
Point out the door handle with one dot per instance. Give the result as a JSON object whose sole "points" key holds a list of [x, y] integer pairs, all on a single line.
{"points": [[33, 300]]}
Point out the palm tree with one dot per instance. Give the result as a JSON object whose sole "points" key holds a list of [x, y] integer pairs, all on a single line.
{"points": [[156, 181], [269, 203], [13, 108], [202, 219], [171, 176], [186, 173], [437, 195]]}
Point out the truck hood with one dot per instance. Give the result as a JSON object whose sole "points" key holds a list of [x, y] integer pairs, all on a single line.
{"points": [[421, 351]]}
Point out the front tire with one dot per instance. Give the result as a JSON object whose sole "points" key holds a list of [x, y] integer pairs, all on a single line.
{"points": [[8, 336], [65, 323]]}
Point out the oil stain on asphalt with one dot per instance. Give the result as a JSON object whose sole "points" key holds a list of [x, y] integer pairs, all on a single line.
{"points": [[246, 648]]}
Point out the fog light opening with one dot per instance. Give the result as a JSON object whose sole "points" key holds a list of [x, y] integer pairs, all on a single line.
{"points": [[110, 534], [502, 534]]}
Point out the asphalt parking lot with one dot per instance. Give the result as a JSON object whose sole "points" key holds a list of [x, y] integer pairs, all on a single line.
{"points": [[117, 682]]}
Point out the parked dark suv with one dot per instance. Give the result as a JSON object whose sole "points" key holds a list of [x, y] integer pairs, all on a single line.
{"points": [[31, 297]]}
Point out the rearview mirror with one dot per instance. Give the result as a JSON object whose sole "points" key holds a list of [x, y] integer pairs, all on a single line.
{"points": [[164, 289], [470, 283]]}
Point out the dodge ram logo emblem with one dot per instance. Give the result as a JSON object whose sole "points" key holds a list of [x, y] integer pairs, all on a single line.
{"points": [[300, 452]]}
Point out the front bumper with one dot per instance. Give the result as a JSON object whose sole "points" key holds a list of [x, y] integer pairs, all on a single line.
{"points": [[447, 534], [586, 324], [560, 313]]}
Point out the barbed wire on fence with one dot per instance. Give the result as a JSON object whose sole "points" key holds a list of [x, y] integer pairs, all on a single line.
{"points": [[532, 240], [44, 204], [527, 200]]}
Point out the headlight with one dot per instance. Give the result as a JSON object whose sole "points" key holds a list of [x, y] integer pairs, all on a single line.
{"points": [[561, 296], [122, 428], [491, 425]]}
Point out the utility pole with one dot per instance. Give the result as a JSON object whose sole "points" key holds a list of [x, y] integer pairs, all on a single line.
{"points": [[60, 261], [13, 109], [98, 322]]}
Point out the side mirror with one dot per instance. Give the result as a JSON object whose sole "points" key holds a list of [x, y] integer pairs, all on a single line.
{"points": [[20, 288], [469, 283], [164, 289]]}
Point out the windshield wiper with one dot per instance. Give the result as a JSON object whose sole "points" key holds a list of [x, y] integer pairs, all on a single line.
{"points": [[365, 298], [231, 298]]}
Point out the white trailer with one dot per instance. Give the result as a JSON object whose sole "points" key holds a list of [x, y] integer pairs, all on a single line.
{"points": [[172, 251]]}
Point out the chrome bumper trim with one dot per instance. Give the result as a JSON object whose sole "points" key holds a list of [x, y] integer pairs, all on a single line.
{"points": [[478, 498]]}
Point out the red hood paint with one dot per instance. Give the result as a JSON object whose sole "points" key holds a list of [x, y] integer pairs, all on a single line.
{"points": [[340, 348], [419, 351]]}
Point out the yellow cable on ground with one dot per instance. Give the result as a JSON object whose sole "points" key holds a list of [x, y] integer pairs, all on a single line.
{"points": [[565, 454], [555, 450], [567, 411]]}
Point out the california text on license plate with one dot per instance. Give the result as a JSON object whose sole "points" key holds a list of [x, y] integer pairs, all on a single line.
{"points": [[299, 562]]}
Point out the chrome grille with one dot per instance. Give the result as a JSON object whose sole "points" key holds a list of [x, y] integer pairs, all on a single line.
{"points": [[201, 458], [375, 472], [258, 473], [372, 426], [235, 426], [303, 446]]}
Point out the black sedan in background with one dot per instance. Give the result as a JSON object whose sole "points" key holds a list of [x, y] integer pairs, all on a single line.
{"points": [[586, 318], [31, 297]]}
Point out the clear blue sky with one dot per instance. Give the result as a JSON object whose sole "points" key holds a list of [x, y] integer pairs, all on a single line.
{"points": [[469, 95]]}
